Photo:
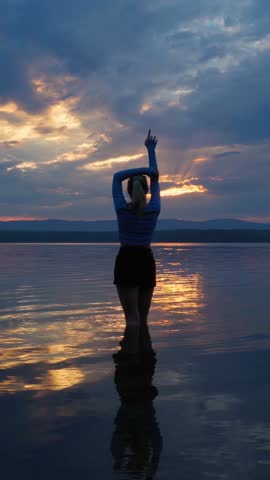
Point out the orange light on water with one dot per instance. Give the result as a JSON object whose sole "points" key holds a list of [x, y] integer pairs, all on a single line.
{"points": [[180, 292]]}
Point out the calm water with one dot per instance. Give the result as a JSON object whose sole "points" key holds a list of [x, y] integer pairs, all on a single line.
{"points": [[201, 413]]}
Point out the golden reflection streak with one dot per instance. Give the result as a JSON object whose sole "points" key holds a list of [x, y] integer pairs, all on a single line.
{"points": [[25, 311], [80, 331], [53, 380], [77, 336], [64, 378], [176, 290]]}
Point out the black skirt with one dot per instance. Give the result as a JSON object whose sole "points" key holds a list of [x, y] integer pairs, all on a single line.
{"points": [[135, 267]]}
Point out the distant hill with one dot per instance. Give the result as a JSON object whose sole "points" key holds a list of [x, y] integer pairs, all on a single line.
{"points": [[52, 225], [169, 236]]}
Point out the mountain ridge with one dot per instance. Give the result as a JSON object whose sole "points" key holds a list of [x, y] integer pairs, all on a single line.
{"points": [[59, 225]]}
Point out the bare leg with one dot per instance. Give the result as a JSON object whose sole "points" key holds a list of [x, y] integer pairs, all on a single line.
{"points": [[129, 300], [144, 303]]}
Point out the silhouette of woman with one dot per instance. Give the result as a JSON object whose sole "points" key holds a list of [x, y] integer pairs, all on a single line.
{"points": [[135, 270]]}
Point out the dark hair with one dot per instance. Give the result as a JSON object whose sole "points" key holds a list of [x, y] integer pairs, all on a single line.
{"points": [[143, 181], [137, 189]]}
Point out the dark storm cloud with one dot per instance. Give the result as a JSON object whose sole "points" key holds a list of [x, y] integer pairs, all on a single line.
{"points": [[225, 108], [84, 38], [81, 37], [15, 81], [226, 154], [235, 107], [125, 44]]}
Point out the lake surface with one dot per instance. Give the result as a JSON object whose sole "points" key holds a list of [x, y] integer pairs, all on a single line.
{"points": [[201, 412]]}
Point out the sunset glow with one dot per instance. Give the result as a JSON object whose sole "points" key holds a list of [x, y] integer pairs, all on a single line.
{"points": [[145, 107], [135, 239], [14, 219], [200, 160], [79, 153], [185, 189], [67, 109], [109, 162]]}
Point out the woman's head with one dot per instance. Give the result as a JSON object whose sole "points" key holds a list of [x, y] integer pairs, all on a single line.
{"points": [[137, 189], [137, 181]]}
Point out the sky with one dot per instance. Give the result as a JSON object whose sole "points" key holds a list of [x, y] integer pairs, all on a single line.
{"points": [[82, 82]]}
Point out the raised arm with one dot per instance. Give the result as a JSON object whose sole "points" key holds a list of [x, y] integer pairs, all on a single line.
{"points": [[117, 192], [150, 144], [154, 203]]}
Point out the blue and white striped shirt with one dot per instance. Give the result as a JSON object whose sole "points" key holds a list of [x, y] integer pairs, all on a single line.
{"points": [[134, 230]]}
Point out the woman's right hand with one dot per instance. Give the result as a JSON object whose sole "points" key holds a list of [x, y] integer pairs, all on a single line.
{"points": [[150, 141]]}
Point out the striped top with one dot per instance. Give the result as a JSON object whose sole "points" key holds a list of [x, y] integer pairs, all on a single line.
{"points": [[134, 230]]}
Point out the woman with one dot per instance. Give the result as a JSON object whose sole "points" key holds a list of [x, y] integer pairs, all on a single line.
{"points": [[135, 272]]}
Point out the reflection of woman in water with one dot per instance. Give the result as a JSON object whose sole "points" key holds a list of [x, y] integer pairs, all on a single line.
{"points": [[136, 441], [134, 272]]}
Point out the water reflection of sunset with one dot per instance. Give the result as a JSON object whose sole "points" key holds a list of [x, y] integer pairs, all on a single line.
{"points": [[180, 293], [60, 336], [58, 326], [53, 379], [61, 318], [178, 300], [57, 341]]}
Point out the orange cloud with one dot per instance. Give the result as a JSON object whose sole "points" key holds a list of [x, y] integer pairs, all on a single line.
{"points": [[80, 152], [109, 162], [51, 125], [182, 186], [53, 87], [178, 179], [200, 160], [166, 96], [13, 219], [183, 190], [145, 107], [24, 166]]}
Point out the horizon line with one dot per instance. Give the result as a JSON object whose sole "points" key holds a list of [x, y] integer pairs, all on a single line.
{"points": [[9, 219]]}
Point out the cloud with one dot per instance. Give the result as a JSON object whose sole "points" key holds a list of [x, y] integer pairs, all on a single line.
{"points": [[185, 189], [17, 125], [7, 144], [109, 162], [80, 86]]}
